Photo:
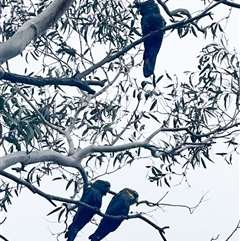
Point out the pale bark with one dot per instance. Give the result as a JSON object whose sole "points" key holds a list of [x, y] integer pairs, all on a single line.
{"points": [[33, 28], [36, 157]]}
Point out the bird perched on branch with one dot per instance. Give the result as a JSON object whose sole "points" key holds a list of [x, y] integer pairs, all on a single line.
{"points": [[93, 197], [119, 206], [151, 21]]}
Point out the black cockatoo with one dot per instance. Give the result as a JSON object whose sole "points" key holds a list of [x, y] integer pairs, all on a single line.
{"points": [[93, 197], [119, 205], [151, 21]]}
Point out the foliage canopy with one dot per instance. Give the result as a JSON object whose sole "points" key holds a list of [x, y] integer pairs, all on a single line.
{"points": [[174, 123]]}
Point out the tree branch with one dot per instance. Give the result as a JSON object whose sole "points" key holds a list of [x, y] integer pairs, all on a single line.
{"points": [[108, 58], [37, 157], [159, 204], [3, 221], [108, 85], [32, 29], [40, 81], [235, 230], [160, 230], [74, 160], [50, 198], [230, 4], [128, 124], [3, 238]]}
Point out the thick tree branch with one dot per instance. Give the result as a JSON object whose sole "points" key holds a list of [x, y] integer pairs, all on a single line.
{"points": [[91, 149], [75, 160], [32, 29], [40, 81], [37, 157], [43, 156], [58, 7]]}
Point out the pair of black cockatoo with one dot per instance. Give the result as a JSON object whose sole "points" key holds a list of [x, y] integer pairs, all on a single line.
{"points": [[150, 22], [119, 206]]}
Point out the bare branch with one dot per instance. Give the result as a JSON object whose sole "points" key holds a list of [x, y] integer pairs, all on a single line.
{"points": [[159, 204], [40, 81], [160, 230], [3, 238], [231, 4], [3, 221], [84, 175], [235, 230]]}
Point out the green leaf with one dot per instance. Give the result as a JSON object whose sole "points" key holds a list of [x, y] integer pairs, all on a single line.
{"points": [[57, 178], [13, 140], [69, 183], [166, 182], [38, 180], [60, 214], [194, 32], [144, 83], [221, 153], [226, 99], [153, 105], [168, 76], [54, 211], [203, 163], [154, 117]]}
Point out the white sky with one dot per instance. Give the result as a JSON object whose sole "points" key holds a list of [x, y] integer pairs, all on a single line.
{"points": [[219, 214]]}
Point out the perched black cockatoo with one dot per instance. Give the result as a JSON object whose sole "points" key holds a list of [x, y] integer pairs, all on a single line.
{"points": [[93, 197], [151, 21], [119, 206]]}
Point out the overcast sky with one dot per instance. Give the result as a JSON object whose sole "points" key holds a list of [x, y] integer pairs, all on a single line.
{"points": [[217, 215]]}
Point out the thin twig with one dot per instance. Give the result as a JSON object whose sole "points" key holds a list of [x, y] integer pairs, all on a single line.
{"points": [[235, 230]]}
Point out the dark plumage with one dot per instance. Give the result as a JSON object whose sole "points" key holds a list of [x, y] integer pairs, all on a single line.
{"points": [[93, 197], [151, 21], [119, 205]]}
